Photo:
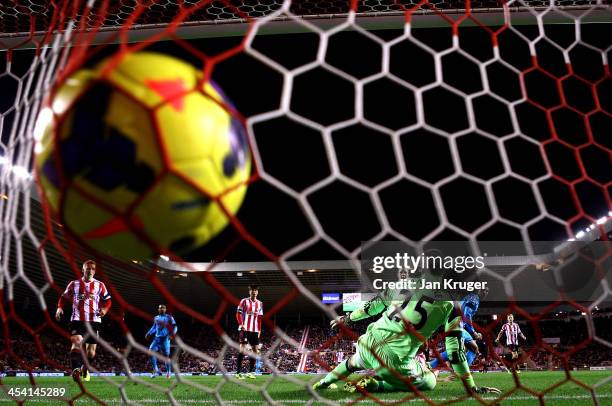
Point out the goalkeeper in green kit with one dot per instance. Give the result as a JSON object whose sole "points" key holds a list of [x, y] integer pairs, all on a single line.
{"points": [[391, 343]]}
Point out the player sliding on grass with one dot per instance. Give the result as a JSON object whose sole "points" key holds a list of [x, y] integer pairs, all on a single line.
{"points": [[390, 344]]}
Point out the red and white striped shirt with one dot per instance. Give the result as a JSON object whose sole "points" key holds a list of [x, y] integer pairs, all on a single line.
{"points": [[512, 331], [250, 313], [87, 299]]}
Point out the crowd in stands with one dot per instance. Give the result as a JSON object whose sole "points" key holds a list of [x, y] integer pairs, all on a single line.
{"points": [[325, 348]]}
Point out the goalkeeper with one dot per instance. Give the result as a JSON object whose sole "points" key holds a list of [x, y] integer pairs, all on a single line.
{"points": [[390, 344]]}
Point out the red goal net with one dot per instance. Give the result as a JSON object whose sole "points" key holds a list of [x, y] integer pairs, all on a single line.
{"points": [[367, 121]]}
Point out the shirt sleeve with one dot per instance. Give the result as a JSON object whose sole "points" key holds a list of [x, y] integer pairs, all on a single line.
{"points": [[240, 308], [174, 325], [105, 297], [373, 307], [104, 293], [152, 329], [68, 292], [69, 289], [260, 313]]}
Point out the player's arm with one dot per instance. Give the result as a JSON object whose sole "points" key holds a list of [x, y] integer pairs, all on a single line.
{"points": [[259, 320], [239, 312], [174, 326], [372, 307], [456, 353], [105, 298], [521, 333], [151, 330], [500, 333], [64, 298]]}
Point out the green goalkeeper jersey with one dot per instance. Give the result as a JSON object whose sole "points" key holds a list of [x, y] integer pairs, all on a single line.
{"points": [[407, 321], [406, 317]]}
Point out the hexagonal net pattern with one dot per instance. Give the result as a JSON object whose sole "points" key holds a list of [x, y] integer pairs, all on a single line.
{"points": [[465, 131]]}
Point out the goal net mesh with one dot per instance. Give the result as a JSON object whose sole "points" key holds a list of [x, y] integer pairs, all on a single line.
{"points": [[477, 120]]}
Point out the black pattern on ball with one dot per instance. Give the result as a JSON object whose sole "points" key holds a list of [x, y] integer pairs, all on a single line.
{"points": [[238, 155], [100, 153]]}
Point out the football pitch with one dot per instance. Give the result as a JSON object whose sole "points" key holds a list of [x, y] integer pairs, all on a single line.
{"points": [[555, 387]]}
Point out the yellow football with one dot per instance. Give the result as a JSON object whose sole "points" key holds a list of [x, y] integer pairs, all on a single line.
{"points": [[139, 156]]}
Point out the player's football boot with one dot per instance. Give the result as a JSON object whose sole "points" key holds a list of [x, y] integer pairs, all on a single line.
{"points": [[86, 376], [240, 376], [320, 385], [250, 375], [168, 375], [349, 387], [368, 383], [486, 389], [76, 375]]}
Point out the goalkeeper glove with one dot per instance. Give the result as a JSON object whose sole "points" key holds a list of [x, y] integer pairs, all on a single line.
{"points": [[485, 389], [335, 323]]}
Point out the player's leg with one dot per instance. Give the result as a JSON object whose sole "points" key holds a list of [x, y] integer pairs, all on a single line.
{"points": [[340, 372], [76, 355], [456, 354], [155, 347], [483, 350], [363, 358], [436, 361], [498, 360], [76, 349], [259, 364], [471, 347], [166, 352], [242, 341], [254, 343], [512, 357], [239, 361], [90, 349], [471, 352], [455, 347], [401, 376]]}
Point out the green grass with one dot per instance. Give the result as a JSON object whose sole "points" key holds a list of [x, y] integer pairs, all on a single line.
{"points": [[292, 389]]}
